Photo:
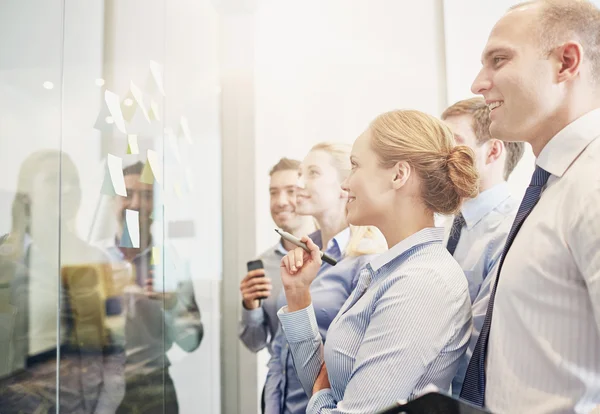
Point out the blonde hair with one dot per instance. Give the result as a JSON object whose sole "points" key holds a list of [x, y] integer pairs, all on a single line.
{"points": [[363, 239], [447, 171], [562, 20]]}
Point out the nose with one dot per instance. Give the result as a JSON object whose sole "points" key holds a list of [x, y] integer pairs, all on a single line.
{"points": [[344, 185], [482, 83], [134, 201], [300, 183], [282, 199]]}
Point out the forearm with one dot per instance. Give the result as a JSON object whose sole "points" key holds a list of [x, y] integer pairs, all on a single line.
{"points": [[306, 345], [254, 329]]}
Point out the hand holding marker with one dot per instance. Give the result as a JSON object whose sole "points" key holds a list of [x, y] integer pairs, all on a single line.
{"points": [[297, 242]]}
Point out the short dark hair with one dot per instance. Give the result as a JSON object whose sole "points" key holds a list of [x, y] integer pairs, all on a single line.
{"points": [[285, 164], [479, 111], [134, 169]]}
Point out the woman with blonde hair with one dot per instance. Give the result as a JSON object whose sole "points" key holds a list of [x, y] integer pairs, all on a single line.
{"points": [[320, 195], [408, 321]]}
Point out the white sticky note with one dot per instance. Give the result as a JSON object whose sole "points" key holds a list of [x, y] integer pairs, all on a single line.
{"points": [[155, 165], [115, 170], [185, 128], [114, 107], [132, 219], [132, 144], [139, 99], [156, 70], [154, 112]]}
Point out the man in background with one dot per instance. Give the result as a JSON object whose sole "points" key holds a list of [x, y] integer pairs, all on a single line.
{"points": [[259, 322], [479, 231]]}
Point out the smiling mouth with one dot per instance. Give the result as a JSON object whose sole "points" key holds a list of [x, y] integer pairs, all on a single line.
{"points": [[495, 105]]}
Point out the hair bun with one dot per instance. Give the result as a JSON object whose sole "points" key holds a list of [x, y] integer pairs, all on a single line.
{"points": [[461, 172]]}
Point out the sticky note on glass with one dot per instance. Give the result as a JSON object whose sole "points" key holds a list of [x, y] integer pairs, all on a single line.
{"points": [[114, 107], [156, 71], [139, 99], [114, 182], [132, 144], [178, 192], [131, 230], [154, 112], [155, 260], [185, 129], [152, 170]]}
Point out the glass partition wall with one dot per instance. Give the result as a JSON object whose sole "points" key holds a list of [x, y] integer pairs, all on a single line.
{"points": [[110, 229]]}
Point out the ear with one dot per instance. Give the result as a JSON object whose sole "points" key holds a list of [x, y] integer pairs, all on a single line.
{"points": [[569, 57], [494, 151], [401, 173]]}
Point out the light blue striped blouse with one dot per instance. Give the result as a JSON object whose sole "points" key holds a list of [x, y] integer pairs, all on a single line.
{"points": [[404, 327]]}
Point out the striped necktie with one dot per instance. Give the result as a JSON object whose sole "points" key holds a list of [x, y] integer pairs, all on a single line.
{"points": [[457, 225], [473, 389]]}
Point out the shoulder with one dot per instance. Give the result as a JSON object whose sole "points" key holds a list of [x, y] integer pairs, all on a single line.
{"points": [[433, 270]]}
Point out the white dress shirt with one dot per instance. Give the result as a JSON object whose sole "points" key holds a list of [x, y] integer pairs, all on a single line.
{"points": [[544, 345], [404, 327]]}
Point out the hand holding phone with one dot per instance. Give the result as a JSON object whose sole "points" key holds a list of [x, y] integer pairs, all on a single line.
{"points": [[255, 286]]}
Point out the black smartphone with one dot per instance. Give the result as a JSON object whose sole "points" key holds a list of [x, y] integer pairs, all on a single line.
{"points": [[255, 265]]}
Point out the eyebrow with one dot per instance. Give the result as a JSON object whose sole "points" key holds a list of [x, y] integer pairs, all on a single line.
{"points": [[487, 55], [291, 186]]}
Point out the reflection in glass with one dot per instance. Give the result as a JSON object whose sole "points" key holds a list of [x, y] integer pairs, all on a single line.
{"points": [[154, 318], [52, 300]]}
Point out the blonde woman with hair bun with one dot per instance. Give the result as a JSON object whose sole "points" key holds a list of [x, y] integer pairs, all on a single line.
{"points": [[321, 196], [408, 321]]}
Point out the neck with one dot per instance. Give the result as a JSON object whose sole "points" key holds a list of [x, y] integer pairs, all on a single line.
{"points": [[398, 226], [331, 225], [572, 110], [487, 183]]}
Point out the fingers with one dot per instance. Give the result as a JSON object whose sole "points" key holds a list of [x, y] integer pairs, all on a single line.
{"points": [[310, 244], [254, 273], [248, 284]]}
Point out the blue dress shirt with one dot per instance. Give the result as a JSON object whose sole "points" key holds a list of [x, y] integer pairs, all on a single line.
{"points": [[404, 327], [329, 291]]}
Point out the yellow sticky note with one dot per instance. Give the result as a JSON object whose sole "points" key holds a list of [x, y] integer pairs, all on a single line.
{"points": [[132, 144], [177, 190], [155, 260]]}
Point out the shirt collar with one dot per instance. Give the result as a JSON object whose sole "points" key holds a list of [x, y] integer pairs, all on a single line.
{"points": [[562, 150], [427, 235], [280, 249], [340, 240], [477, 208]]}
